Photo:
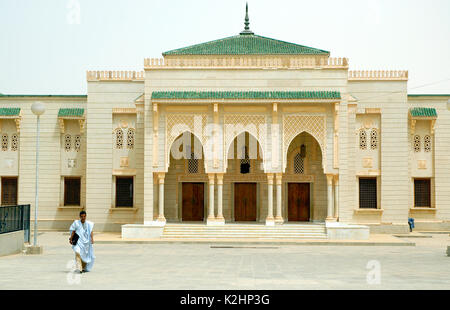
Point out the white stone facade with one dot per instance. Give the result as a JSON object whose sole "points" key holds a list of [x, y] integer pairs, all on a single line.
{"points": [[368, 132]]}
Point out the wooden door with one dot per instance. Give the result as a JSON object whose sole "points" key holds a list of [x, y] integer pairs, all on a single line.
{"points": [[298, 202], [245, 202], [9, 191], [192, 207]]}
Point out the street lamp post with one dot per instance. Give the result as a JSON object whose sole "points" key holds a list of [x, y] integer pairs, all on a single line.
{"points": [[38, 109]]}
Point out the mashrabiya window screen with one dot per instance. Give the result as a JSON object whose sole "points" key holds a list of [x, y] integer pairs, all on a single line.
{"points": [[427, 143], [422, 193], [367, 193], [374, 139], [119, 138], [299, 164], [67, 142], [362, 139], [192, 164], [416, 143], [130, 138], [4, 142], [14, 142]]}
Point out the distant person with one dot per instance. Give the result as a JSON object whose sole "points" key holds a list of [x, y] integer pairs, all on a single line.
{"points": [[84, 251]]}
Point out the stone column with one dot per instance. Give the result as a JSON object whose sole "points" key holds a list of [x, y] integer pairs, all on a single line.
{"points": [[219, 218], [161, 217], [336, 196], [278, 217], [330, 197], [270, 221], [211, 216]]}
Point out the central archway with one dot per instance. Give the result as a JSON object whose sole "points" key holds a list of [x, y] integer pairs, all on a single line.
{"points": [[244, 174], [305, 187]]}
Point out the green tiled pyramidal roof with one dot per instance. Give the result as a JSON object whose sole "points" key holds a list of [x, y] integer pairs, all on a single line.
{"points": [[247, 45], [71, 112], [9, 111], [423, 112], [246, 95]]}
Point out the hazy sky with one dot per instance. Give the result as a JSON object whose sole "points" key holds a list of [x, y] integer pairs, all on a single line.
{"points": [[46, 48]]}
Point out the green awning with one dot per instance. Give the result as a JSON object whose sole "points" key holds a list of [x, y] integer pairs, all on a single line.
{"points": [[246, 95], [71, 112], [423, 112], [9, 111]]}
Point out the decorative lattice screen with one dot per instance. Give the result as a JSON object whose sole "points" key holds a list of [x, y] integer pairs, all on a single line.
{"points": [[315, 125]]}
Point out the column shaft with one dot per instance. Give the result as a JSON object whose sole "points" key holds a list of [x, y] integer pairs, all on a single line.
{"points": [[270, 218], [279, 217], [161, 197], [330, 197], [211, 197]]}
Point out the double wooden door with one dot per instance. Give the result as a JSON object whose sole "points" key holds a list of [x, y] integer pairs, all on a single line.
{"points": [[192, 202], [298, 202], [244, 202]]}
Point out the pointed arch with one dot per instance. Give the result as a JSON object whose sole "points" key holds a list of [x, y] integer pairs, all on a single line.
{"points": [[192, 136], [294, 125], [234, 137]]}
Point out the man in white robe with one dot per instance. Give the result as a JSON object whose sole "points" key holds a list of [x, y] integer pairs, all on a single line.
{"points": [[84, 251]]}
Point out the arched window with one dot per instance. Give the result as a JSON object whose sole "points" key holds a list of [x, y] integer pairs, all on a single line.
{"points": [[67, 142], [119, 138], [77, 143], [14, 142], [374, 139], [362, 139], [192, 164], [427, 143], [130, 139], [4, 142], [416, 143]]}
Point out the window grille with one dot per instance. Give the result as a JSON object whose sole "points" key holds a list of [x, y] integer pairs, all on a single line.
{"points": [[374, 139], [14, 142], [422, 193], [416, 143], [245, 162], [67, 142], [4, 142], [130, 139], [119, 138], [192, 164], [299, 164], [368, 193], [77, 143], [427, 143], [362, 139]]}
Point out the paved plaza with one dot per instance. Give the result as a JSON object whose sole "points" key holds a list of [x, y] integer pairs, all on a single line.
{"points": [[212, 266]]}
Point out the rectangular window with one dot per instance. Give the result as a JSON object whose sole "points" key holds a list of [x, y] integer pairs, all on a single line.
{"points": [[368, 193], [72, 191], [124, 191], [9, 191], [422, 193]]}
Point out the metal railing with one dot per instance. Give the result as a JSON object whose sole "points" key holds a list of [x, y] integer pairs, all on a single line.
{"points": [[15, 218]]}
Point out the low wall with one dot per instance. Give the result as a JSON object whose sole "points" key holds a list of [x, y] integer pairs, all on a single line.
{"points": [[340, 231], [141, 231], [11, 243]]}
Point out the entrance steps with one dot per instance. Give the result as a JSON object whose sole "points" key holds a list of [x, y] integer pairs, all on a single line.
{"points": [[244, 231]]}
